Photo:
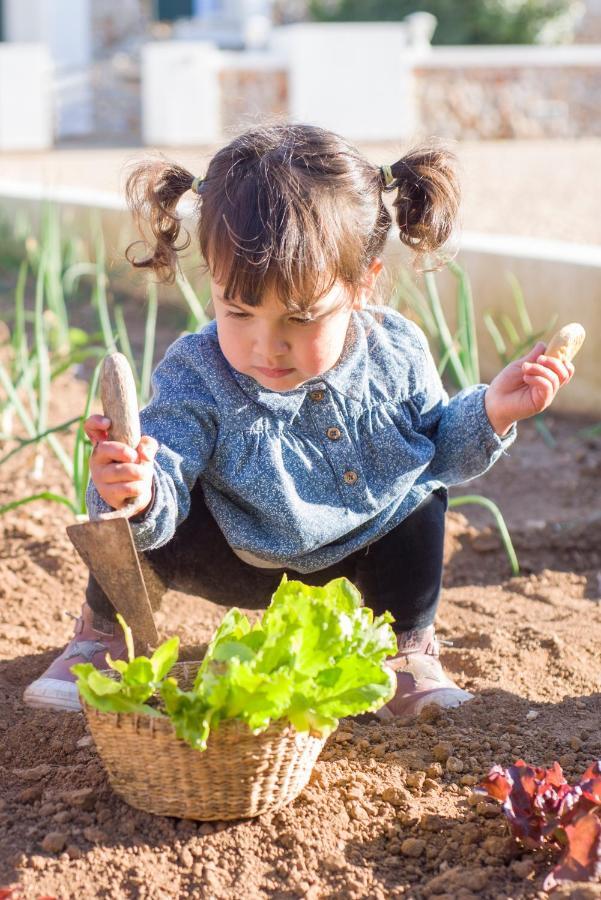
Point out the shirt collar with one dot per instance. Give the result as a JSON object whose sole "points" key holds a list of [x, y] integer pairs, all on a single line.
{"points": [[347, 377]]}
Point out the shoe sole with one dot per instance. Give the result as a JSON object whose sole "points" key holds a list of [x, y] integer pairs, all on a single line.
{"points": [[52, 693], [445, 698]]}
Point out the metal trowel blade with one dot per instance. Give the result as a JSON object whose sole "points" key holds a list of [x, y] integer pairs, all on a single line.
{"points": [[108, 550]]}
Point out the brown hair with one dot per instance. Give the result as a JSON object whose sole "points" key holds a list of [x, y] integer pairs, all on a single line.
{"points": [[294, 208]]}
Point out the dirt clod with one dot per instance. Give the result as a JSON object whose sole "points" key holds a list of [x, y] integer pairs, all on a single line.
{"points": [[442, 751], [454, 764], [54, 842], [413, 846]]}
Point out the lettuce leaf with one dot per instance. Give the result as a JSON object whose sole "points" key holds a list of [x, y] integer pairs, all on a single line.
{"points": [[140, 677], [315, 656]]}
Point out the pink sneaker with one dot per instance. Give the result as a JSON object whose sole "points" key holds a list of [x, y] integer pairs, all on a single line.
{"points": [[93, 637], [420, 677]]}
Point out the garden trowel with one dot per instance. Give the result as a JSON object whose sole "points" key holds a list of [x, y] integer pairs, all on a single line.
{"points": [[106, 543]]}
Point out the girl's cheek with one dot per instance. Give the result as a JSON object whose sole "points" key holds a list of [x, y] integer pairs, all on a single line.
{"points": [[331, 342], [229, 342]]}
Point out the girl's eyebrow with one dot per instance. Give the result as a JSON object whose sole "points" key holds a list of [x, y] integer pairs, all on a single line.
{"points": [[239, 304], [313, 312], [227, 302]]}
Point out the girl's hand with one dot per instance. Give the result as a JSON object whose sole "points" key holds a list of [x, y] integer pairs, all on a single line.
{"points": [[524, 388], [117, 471]]}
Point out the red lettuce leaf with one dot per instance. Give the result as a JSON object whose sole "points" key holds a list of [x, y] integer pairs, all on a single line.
{"points": [[581, 860], [531, 797], [590, 784], [542, 808]]}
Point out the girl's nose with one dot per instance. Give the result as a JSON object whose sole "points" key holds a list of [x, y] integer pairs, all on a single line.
{"points": [[271, 343]]}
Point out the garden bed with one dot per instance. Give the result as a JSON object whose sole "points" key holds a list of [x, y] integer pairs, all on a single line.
{"points": [[389, 811]]}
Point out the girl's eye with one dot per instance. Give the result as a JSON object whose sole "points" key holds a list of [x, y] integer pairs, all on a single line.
{"points": [[237, 315], [302, 321]]}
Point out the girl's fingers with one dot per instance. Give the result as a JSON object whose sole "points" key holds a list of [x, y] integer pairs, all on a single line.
{"points": [[536, 351], [131, 489], [556, 365], [97, 421], [119, 473], [96, 428], [117, 496], [147, 448], [114, 451], [535, 369], [538, 381], [541, 390]]}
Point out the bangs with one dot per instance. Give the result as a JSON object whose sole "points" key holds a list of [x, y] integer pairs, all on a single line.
{"points": [[272, 237], [297, 288]]}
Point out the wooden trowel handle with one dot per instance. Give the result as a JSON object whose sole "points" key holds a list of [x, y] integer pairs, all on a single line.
{"points": [[119, 399], [120, 405]]}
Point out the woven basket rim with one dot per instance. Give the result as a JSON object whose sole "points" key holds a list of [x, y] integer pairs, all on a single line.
{"points": [[163, 721]]}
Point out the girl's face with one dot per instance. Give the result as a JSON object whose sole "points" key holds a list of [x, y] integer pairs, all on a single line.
{"points": [[279, 349]]}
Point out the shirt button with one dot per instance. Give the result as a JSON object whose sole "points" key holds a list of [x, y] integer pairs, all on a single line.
{"points": [[334, 433], [317, 396], [350, 477]]}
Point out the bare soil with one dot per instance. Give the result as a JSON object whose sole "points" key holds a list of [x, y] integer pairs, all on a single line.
{"points": [[389, 811]]}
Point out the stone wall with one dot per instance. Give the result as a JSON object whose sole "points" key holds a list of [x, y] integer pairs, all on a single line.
{"points": [[460, 93], [116, 99], [473, 103], [118, 23], [588, 30], [495, 103], [493, 93], [119, 27], [250, 96]]}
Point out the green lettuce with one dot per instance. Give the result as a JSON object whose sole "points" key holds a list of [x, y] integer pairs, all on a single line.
{"points": [[315, 656], [141, 677]]}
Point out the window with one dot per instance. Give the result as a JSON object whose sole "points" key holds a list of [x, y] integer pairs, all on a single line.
{"points": [[169, 10]]}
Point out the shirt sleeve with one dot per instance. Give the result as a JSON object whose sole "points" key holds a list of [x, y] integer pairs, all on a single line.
{"points": [[182, 417], [466, 445]]}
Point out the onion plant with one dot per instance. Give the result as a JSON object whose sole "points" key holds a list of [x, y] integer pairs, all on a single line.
{"points": [[457, 354], [198, 306], [78, 465], [42, 345], [513, 339]]}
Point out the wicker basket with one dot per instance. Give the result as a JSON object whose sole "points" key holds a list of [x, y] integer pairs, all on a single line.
{"points": [[238, 776]]}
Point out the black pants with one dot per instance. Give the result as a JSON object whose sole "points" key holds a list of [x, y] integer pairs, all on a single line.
{"points": [[400, 572]]}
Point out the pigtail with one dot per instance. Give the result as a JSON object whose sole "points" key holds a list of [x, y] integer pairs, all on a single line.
{"points": [[153, 190], [428, 195]]}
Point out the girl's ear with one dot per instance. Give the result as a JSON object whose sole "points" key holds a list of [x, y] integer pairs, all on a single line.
{"points": [[369, 282]]}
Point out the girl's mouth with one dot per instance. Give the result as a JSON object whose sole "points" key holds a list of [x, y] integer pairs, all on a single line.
{"points": [[273, 373]]}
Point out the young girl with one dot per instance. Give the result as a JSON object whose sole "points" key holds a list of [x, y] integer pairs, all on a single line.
{"points": [[303, 430]]}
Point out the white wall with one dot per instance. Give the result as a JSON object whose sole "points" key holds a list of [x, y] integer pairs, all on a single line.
{"points": [[354, 78], [523, 56], [65, 25], [557, 278], [26, 119], [180, 93]]}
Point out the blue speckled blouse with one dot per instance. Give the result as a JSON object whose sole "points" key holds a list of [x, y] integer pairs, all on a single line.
{"points": [[304, 477]]}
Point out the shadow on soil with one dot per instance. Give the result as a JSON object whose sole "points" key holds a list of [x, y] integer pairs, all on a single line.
{"points": [[564, 547], [46, 755]]}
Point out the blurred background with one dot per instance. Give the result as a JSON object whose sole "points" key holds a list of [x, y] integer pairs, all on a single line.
{"points": [[513, 86], [125, 72]]}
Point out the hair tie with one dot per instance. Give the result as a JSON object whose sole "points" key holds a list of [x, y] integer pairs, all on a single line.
{"points": [[196, 183], [389, 179]]}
